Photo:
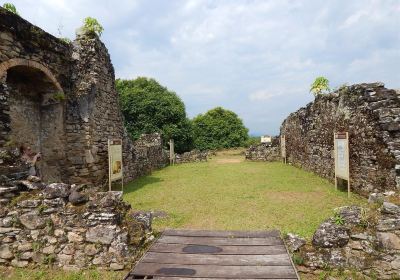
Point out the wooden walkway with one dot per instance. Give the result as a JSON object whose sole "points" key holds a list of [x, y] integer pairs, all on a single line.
{"points": [[188, 254]]}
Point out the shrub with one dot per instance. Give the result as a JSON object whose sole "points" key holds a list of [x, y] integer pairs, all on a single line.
{"points": [[92, 26], [65, 40], [320, 86], [11, 8]]}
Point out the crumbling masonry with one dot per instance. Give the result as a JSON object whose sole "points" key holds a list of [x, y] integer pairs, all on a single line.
{"points": [[60, 100]]}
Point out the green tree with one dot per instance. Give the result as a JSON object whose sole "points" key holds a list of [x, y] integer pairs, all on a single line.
{"points": [[320, 86], [92, 26], [149, 107], [219, 128], [11, 8]]}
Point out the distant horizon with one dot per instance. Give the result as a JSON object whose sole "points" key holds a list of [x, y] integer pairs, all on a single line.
{"points": [[256, 58]]}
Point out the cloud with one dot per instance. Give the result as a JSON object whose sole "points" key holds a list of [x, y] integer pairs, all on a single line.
{"points": [[255, 57], [262, 95]]}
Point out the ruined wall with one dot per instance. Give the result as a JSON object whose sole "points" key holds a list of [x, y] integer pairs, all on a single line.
{"points": [[62, 225], [60, 99], [263, 152], [192, 156], [145, 155], [357, 242], [370, 113]]}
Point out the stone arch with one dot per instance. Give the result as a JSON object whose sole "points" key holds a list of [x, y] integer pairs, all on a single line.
{"points": [[36, 113], [4, 66]]}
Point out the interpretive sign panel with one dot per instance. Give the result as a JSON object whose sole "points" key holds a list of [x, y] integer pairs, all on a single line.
{"points": [[342, 163], [115, 160]]}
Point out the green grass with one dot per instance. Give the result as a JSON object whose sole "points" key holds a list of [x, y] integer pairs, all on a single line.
{"points": [[228, 193], [58, 274]]}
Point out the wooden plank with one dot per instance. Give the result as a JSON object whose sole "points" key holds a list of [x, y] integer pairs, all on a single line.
{"points": [[214, 271], [226, 250], [229, 234], [215, 241], [247, 260]]}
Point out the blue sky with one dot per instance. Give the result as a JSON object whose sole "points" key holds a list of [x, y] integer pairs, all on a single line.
{"points": [[257, 58]]}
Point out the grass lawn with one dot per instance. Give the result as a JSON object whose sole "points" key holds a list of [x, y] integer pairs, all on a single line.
{"points": [[228, 193], [58, 274]]}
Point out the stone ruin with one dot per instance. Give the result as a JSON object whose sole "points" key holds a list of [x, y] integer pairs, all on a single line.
{"points": [[371, 115], [193, 156], [60, 99], [361, 242], [264, 151]]}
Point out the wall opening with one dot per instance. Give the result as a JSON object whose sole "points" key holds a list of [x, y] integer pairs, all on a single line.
{"points": [[37, 118]]}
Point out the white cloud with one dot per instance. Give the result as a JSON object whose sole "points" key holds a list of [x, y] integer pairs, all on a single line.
{"points": [[263, 95], [256, 57]]}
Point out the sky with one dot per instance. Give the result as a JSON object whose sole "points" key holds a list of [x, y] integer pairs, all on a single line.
{"points": [[256, 58]]}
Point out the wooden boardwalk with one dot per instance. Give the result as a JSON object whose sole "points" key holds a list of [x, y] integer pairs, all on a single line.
{"points": [[190, 254]]}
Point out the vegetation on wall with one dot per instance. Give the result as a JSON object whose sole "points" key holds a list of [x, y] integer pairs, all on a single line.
{"points": [[149, 107], [11, 8], [219, 128], [92, 26], [320, 86]]}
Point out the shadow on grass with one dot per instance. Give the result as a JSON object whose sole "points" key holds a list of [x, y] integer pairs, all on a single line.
{"points": [[139, 183]]}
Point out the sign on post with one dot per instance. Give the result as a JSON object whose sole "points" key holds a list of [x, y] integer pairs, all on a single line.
{"points": [[342, 162], [283, 148], [115, 167], [171, 152]]}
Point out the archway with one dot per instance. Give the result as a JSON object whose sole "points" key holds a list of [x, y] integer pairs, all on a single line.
{"points": [[36, 113]]}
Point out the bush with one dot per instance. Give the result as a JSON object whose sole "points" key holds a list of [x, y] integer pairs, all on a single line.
{"points": [[320, 86], [219, 128], [92, 26], [11, 8]]}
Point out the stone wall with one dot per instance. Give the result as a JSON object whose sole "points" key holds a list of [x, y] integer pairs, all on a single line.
{"points": [[145, 155], [264, 151], [370, 113], [60, 100], [363, 243], [70, 227], [192, 156]]}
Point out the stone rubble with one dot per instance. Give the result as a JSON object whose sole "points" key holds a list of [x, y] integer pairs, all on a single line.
{"points": [[49, 227], [263, 152], [193, 156], [366, 240]]}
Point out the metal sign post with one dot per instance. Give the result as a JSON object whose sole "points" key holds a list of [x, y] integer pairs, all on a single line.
{"points": [[115, 166], [283, 148], [342, 160]]}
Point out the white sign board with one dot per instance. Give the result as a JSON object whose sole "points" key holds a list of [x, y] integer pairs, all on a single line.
{"points": [[266, 139], [342, 162], [115, 160]]}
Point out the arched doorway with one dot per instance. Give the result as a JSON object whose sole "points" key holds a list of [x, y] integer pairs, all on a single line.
{"points": [[36, 115]]}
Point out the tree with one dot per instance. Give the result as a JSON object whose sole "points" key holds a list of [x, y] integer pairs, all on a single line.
{"points": [[219, 128], [320, 86], [149, 107], [11, 8]]}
